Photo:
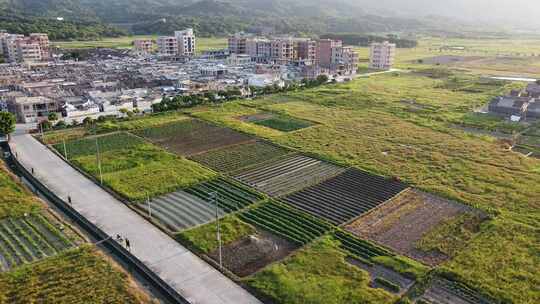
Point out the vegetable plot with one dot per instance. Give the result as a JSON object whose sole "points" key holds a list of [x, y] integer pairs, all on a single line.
{"points": [[286, 222], [345, 196], [240, 156], [25, 240], [288, 174]]}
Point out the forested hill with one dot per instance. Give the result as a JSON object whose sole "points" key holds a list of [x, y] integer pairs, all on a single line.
{"points": [[207, 17]]}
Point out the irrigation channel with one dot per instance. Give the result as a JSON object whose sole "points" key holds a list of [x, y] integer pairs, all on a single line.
{"points": [[146, 277]]}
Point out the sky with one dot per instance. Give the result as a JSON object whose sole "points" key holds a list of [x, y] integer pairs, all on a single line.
{"points": [[518, 11]]}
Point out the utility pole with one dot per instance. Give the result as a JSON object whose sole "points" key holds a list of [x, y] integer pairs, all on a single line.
{"points": [[65, 150], [215, 198], [149, 207], [99, 162]]}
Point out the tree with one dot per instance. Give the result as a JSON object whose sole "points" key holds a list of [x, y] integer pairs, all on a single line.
{"points": [[88, 121], [53, 116], [7, 123], [322, 79]]}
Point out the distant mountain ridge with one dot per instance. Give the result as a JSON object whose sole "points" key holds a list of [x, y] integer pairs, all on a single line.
{"points": [[222, 17]]}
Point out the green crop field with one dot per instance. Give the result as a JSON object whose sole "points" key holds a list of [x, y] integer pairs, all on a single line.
{"points": [[405, 125], [318, 273], [133, 168]]}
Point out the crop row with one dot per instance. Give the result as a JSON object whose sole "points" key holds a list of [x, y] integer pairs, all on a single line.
{"points": [[88, 146], [288, 174], [230, 197], [240, 156], [29, 239], [190, 137], [286, 222], [345, 196], [461, 291], [360, 248]]}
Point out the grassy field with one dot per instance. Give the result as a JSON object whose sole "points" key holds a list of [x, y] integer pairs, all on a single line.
{"points": [[126, 42], [80, 275], [318, 274], [133, 168], [512, 57], [59, 274], [15, 200], [404, 126]]}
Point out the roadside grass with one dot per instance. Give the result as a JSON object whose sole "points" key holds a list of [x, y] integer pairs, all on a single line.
{"points": [[79, 275], [15, 200], [204, 237], [143, 170], [318, 273], [404, 126]]}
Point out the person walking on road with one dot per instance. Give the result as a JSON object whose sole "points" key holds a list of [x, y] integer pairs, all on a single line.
{"points": [[128, 245]]}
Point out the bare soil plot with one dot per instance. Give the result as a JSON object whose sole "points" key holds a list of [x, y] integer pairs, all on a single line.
{"points": [[378, 271], [240, 156], [190, 137], [442, 291], [248, 255], [345, 196], [401, 223], [288, 174]]}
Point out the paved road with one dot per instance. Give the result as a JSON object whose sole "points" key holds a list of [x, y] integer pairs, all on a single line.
{"points": [[197, 281]]}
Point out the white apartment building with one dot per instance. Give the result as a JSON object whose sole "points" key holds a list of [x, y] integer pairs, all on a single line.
{"points": [[186, 42], [167, 46], [382, 55], [143, 46]]}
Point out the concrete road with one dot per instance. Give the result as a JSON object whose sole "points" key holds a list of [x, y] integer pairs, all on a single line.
{"points": [[197, 281]]}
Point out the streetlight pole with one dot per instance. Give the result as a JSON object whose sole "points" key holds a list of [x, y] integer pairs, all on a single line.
{"points": [[215, 198], [149, 207], [99, 162], [65, 150]]}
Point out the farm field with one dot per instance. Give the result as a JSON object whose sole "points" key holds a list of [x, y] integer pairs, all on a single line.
{"points": [[180, 210], [402, 224], [318, 273], [76, 276], [278, 122], [29, 239], [404, 126], [15, 200], [287, 175], [230, 159], [191, 137], [345, 196], [111, 125], [133, 168], [194, 206], [448, 292]]}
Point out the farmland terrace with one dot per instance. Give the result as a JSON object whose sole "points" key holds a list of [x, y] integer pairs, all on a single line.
{"points": [[379, 190]]}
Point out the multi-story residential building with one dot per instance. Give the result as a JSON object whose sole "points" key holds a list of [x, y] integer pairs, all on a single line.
{"points": [[382, 55], [306, 50], [186, 42], [167, 46], [17, 48], [43, 41], [143, 46], [281, 50], [325, 49], [237, 43], [32, 109]]}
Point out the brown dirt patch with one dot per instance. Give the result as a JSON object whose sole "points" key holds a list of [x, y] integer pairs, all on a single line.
{"points": [[248, 255], [403, 221]]}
